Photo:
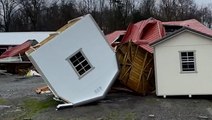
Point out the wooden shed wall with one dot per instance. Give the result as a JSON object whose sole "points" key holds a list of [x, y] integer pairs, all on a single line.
{"points": [[136, 68]]}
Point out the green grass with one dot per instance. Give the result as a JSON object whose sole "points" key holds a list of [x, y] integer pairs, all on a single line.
{"points": [[34, 106], [2, 101], [130, 116]]}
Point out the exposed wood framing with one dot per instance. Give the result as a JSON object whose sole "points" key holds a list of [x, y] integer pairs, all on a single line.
{"points": [[136, 66]]}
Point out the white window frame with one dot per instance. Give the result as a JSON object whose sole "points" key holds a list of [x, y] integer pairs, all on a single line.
{"points": [[80, 63], [188, 60]]}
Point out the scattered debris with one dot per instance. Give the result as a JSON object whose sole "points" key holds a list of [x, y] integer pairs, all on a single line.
{"points": [[43, 90], [203, 117], [4, 72], [4, 106], [16, 54], [32, 73], [152, 115]]}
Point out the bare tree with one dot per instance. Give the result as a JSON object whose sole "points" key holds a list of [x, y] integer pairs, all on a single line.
{"points": [[147, 8], [32, 9], [168, 9], [9, 8], [206, 16]]}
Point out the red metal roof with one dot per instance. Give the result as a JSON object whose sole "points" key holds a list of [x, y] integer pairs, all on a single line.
{"points": [[19, 49], [144, 33], [193, 24], [114, 35], [151, 30]]}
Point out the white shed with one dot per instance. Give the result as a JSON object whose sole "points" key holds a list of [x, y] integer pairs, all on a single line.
{"points": [[183, 64], [78, 64]]}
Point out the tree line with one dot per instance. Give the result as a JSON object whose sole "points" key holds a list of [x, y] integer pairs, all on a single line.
{"points": [[49, 15]]}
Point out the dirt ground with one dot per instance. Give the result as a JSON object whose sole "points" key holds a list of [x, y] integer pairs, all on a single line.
{"points": [[18, 101]]}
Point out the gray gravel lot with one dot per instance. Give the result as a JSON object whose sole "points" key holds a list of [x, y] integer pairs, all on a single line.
{"points": [[17, 98]]}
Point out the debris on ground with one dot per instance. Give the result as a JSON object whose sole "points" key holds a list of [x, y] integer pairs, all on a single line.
{"points": [[43, 90], [203, 117], [4, 72], [152, 115], [4, 106], [33, 73]]}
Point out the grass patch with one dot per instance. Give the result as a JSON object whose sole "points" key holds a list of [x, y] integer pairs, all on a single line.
{"points": [[2, 101], [34, 106], [130, 116], [114, 115]]}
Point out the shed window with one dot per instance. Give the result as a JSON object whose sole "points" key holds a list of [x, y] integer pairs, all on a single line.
{"points": [[188, 61], [80, 63]]}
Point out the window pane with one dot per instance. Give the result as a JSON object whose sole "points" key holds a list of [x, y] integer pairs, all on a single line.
{"points": [[72, 59], [81, 71], [185, 66], [78, 55], [190, 54], [87, 67], [191, 66], [84, 63], [191, 58], [81, 58], [79, 67], [183, 54], [75, 62]]}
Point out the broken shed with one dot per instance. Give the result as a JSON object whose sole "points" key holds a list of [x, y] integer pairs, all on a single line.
{"points": [[183, 63], [12, 49], [78, 64], [12, 39], [135, 56]]}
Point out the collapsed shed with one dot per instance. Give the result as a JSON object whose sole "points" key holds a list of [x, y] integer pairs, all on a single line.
{"points": [[12, 39], [135, 55], [13, 46]]}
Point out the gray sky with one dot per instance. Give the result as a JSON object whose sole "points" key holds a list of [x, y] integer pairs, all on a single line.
{"points": [[203, 2]]}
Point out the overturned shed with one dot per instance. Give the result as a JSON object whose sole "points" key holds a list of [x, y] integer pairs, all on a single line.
{"points": [[135, 55], [76, 71]]}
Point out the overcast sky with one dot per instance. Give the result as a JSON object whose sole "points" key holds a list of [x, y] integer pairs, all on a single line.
{"points": [[203, 2]]}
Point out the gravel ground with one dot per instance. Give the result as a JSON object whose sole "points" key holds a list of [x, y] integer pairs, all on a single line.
{"points": [[16, 94]]}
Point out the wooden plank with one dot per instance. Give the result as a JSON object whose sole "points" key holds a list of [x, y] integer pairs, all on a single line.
{"points": [[69, 24], [141, 73], [148, 76]]}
